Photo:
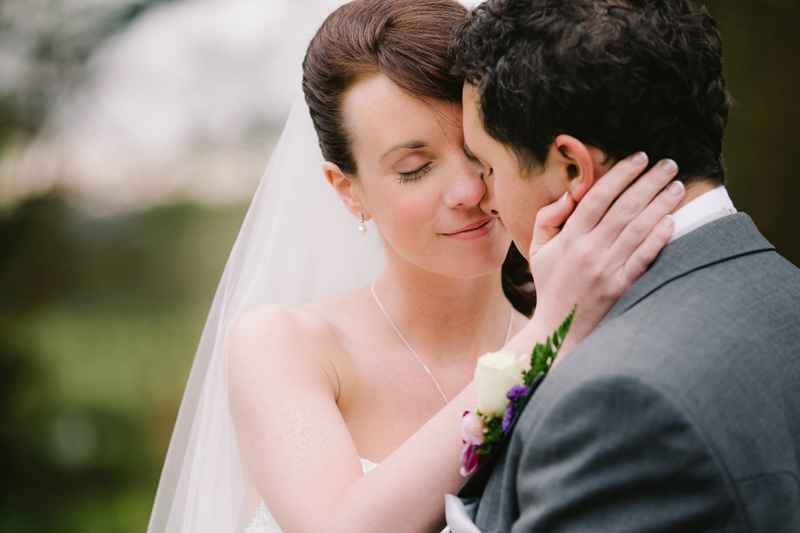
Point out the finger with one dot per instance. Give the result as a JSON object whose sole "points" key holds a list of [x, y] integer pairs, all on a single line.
{"points": [[549, 220], [602, 194], [638, 229], [645, 254], [635, 199]]}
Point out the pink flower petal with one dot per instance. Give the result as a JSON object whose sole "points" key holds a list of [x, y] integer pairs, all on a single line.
{"points": [[473, 429], [469, 460]]}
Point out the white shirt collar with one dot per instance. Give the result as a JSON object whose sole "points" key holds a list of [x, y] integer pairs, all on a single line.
{"points": [[705, 208]]}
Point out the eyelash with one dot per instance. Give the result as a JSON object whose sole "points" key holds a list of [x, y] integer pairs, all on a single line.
{"points": [[471, 157], [410, 177]]}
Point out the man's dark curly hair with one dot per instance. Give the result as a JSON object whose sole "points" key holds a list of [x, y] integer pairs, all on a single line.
{"points": [[619, 75]]}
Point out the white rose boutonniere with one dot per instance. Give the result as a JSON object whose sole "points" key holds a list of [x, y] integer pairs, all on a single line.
{"points": [[503, 386], [495, 374]]}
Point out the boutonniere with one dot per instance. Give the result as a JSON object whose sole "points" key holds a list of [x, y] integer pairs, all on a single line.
{"points": [[503, 385]]}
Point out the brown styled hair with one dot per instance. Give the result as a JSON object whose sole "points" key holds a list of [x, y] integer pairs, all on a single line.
{"points": [[407, 41]]}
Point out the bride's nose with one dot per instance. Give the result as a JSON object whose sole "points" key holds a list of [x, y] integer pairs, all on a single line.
{"points": [[465, 188]]}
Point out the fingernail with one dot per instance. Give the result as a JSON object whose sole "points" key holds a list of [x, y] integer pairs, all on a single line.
{"points": [[669, 166], [668, 221], [639, 158], [563, 198], [675, 188]]}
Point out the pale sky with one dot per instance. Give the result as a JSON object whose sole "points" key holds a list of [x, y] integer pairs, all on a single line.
{"points": [[185, 103], [197, 71]]}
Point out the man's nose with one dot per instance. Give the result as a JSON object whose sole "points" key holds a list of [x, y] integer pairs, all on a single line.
{"points": [[487, 203]]}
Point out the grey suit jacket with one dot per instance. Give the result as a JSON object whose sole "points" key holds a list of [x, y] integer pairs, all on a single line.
{"points": [[680, 412]]}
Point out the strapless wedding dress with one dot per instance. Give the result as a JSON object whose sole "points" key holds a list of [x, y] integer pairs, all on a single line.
{"points": [[263, 522]]}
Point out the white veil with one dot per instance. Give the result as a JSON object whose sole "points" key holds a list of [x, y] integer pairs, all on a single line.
{"points": [[297, 244]]}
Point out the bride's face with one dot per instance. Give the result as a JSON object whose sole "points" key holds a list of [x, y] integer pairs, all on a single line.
{"points": [[417, 184]]}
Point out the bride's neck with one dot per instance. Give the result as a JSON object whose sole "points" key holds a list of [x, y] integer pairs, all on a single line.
{"points": [[444, 316]]}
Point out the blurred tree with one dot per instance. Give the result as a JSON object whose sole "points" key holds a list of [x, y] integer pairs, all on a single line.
{"points": [[45, 44], [99, 318], [33, 249], [760, 49]]}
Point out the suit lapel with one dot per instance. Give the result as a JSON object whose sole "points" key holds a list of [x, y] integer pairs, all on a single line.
{"points": [[728, 237], [720, 240], [474, 486]]}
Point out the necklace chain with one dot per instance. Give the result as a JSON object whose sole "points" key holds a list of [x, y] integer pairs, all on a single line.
{"points": [[410, 349]]}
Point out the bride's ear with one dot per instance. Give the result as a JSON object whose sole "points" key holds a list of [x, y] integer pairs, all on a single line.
{"points": [[347, 189], [578, 164]]}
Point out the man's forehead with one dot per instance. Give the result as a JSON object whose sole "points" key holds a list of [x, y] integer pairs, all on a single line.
{"points": [[470, 100], [470, 94]]}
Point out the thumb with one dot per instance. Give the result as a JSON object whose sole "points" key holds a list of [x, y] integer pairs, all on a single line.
{"points": [[549, 220]]}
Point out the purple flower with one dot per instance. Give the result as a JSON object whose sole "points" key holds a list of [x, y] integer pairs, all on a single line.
{"points": [[509, 417], [517, 391], [469, 460], [514, 394]]}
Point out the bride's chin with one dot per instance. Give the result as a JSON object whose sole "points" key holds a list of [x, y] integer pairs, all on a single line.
{"points": [[474, 266]]}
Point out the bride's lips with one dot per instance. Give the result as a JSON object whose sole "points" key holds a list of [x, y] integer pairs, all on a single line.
{"points": [[476, 230]]}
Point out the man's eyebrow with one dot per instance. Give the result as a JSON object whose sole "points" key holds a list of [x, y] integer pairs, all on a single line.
{"points": [[412, 145]]}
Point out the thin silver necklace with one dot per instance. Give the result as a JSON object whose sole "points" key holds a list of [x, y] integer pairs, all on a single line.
{"points": [[410, 349]]}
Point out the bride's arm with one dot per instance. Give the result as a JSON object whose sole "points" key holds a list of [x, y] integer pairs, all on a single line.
{"points": [[283, 395], [283, 392]]}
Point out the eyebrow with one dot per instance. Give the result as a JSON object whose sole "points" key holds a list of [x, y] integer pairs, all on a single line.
{"points": [[412, 145]]}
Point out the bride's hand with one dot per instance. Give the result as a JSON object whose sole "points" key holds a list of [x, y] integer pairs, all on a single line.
{"points": [[608, 240]]}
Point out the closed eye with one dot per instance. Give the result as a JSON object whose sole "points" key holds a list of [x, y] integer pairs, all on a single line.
{"points": [[469, 153], [473, 157], [415, 175]]}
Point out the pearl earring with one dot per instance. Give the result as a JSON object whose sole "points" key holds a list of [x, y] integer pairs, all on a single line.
{"points": [[362, 229]]}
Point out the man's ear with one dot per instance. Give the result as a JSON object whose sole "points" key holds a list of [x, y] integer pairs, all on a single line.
{"points": [[347, 189], [579, 167]]}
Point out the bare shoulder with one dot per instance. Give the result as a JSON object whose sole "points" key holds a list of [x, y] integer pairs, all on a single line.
{"points": [[277, 343], [272, 343], [342, 310], [276, 326]]}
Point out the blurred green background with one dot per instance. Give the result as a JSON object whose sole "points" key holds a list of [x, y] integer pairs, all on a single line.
{"points": [[103, 296]]}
